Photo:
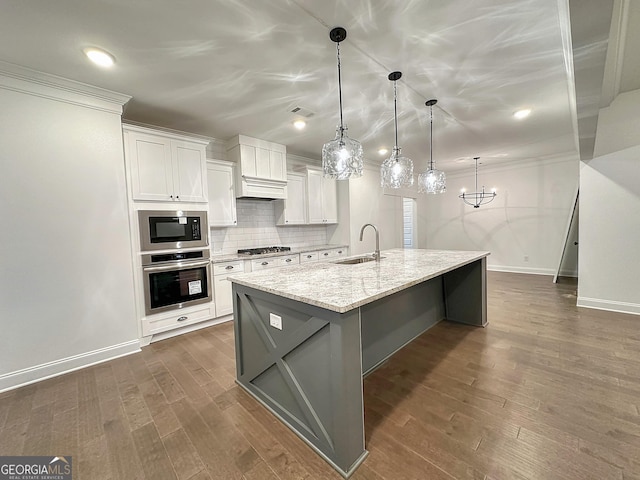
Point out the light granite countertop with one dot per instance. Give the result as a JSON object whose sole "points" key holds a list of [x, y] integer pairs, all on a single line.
{"points": [[341, 288], [216, 258]]}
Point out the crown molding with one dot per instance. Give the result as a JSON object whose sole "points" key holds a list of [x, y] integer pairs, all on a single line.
{"points": [[25, 80]]}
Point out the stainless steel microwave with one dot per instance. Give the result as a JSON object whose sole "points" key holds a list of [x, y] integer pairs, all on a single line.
{"points": [[172, 229]]}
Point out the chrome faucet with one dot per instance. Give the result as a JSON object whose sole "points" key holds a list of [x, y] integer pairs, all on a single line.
{"points": [[376, 254]]}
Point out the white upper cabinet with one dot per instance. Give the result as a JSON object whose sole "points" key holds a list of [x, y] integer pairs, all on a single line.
{"points": [[261, 167], [165, 167], [222, 197], [293, 210], [322, 198]]}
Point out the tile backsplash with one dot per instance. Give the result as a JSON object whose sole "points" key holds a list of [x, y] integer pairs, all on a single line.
{"points": [[257, 228]]}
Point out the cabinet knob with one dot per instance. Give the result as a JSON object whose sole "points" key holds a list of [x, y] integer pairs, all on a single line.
{"points": [[326, 253], [182, 319], [309, 256], [288, 260], [177, 197], [339, 251], [229, 267], [264, 263], [235, 221]]}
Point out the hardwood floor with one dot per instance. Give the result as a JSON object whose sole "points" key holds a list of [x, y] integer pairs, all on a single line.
{"points": [[546, 391]]}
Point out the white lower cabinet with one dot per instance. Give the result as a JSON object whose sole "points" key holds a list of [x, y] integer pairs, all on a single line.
{"points": [[163, 322], [222, 286]]}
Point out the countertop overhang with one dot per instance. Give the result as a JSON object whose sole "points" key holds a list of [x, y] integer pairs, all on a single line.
{"points": [[341, 288]]}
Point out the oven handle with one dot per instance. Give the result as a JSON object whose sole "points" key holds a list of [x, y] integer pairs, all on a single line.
{"points": [[174, 266]]}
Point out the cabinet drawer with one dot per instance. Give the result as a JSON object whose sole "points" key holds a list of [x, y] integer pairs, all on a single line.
{"points": [[263, 263], [161, 323], [228, 267], [308, 257], [289, 260], [333, 253]]}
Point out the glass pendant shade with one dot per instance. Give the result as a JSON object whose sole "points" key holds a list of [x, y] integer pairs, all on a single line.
{"points": [[342, 157], [396, 171], [432, 181]]}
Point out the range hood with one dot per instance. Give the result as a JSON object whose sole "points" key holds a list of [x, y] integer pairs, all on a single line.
{"points": [[261, 168]]}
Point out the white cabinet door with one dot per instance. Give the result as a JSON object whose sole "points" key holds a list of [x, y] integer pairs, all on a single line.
{"points": [[293, 210], [150, 165], [329, 200], [314, 192], [164, 167], [222, 197], [189, 172], [222, 293], [322, 198]]}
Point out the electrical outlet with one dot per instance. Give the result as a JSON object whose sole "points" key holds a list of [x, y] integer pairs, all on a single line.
{"points": [[275, 321]]}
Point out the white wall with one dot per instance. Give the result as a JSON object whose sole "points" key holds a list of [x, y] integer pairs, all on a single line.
{"points": [[368, 203], [66, 286], [524, 226], [609, 261]]}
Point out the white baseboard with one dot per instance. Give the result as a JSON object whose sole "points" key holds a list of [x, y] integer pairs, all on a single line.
{"points": [[20, 378], [609, 305], [528, 270]]}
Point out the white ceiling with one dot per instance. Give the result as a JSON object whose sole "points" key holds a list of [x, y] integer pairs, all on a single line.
{"points": [[219, 68]]}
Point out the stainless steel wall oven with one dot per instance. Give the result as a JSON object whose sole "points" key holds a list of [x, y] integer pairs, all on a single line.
{"points": [[176, 280]]}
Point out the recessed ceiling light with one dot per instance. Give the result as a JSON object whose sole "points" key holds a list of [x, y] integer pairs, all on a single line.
{"points": [[524, 113], [383, 151], [300, 124], [99, 57]]}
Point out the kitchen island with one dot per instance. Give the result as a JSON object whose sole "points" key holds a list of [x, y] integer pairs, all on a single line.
{"points": [[306, 335]]}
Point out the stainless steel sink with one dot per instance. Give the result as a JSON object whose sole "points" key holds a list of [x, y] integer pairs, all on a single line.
{"points": [[356, 260]]}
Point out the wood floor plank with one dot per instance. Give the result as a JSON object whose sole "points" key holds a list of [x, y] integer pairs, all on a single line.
{"points": [[64, 433], [269, 448], [37, 439], [183, 455], [152, 454], [163, 416], [210, 451]]}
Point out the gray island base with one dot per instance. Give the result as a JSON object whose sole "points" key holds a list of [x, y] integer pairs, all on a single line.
{"points": [[306, 335]]}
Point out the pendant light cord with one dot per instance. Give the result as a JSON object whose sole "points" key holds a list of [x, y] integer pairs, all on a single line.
{"points": [[431, 142], [395, 110], [477, 176], [340, 89]]}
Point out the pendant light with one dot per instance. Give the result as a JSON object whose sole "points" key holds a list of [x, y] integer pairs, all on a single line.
{"points": [[396, 171], [477, 198], [342, 157], [432, 181]]}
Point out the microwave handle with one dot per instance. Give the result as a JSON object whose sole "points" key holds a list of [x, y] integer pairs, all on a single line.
{"points": [[162, 268]]}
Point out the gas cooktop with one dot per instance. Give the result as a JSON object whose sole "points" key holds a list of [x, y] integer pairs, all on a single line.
{"points": [[262, 250]]}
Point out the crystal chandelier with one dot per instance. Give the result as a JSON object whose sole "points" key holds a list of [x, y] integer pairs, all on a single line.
{"points": [[432, 181], [477, 198], [396, 171], [342, 157]]}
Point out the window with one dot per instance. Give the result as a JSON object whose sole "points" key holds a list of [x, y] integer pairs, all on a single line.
{"points": [[408, 222]]}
